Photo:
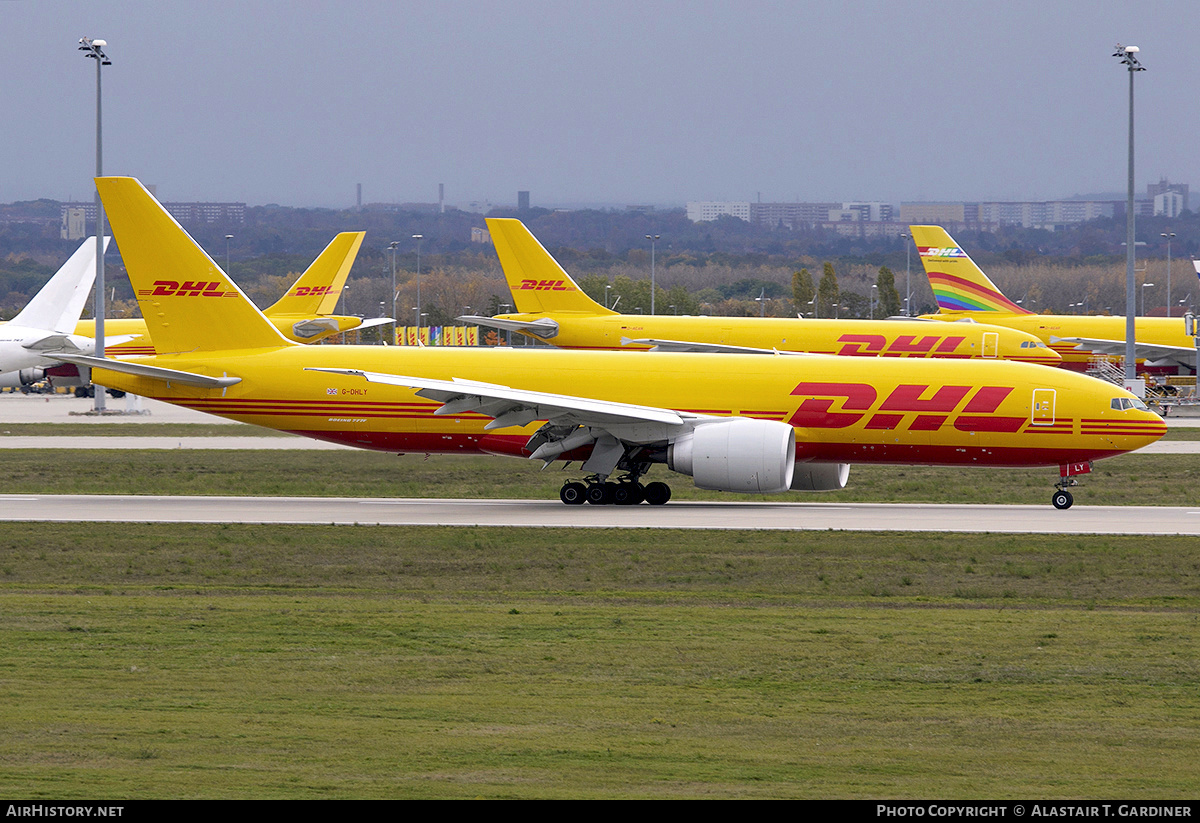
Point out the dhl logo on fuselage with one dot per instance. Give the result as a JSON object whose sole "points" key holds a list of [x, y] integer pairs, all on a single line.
{"points": [[858, 400], [905, 344], [189, 288], [310, 291], [546, 285], [933, 251]]}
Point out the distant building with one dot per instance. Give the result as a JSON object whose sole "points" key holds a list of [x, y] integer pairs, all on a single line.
{"points": [[522, 201], [1153, 190], [989, 216], [704, 211], [74, 224], [933, 214], [481, 236], [183, 212]]}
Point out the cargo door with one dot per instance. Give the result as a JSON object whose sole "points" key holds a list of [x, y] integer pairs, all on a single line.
{"points": [[991, 344], [1043, 407]]}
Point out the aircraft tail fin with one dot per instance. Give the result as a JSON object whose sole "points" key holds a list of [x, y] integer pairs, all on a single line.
{"points": [[538, 284], [189, 303], [316, 292], [60, 302], [958, 284]]}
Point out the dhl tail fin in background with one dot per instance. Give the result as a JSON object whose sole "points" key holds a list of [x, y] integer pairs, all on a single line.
{"points": [[318, 289], [538, 284], [958, 284], [189, 304]]}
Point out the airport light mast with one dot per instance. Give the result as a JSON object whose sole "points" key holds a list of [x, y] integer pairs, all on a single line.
{"points": [[418, 238], [392, 247], [1128, 57], [907, 274], [94, 50], [653, 240], [1169, 236]]}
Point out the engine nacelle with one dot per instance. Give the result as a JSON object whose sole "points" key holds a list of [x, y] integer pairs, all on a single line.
{"points": [[737, 455], [21, 377], [820, 477]]}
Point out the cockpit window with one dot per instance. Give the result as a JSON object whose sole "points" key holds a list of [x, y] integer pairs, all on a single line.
{"points": [[1126, 403]]}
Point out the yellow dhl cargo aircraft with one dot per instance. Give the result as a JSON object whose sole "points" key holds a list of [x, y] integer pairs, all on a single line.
{"points": [[735, 423], [963, 291], [303, 315], [552, 308]]}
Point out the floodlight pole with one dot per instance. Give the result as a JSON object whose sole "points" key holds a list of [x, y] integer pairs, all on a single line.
{"points": [[653, 239], [395, 244], [907, 273], [418, 238], [1169, 236], [94, 50], [1128, 57]]}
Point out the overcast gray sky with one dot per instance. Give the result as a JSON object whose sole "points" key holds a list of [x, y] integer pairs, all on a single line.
{"points": [[621, 101]]}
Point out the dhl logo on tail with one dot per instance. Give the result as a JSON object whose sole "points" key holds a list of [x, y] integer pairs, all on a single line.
{"points": [[309, 291], [547, 285], [189, 288], [958, 284]]}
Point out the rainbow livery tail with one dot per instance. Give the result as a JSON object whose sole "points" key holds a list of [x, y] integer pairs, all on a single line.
{"points": [[958, 284]]}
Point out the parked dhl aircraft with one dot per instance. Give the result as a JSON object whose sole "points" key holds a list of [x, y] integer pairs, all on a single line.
{"points": [[304, 314], [963, 291], [733, 422], [552, 308]]}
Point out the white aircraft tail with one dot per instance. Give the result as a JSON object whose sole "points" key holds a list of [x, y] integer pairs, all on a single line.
{"points": [[60, 302]]}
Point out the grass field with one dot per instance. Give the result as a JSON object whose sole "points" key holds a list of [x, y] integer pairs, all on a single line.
{"points": [[321, 662], [1147, 480]]}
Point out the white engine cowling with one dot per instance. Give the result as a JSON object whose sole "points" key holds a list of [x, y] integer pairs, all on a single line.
{"points": [[820, 477], [21, 377], [737, 455]]}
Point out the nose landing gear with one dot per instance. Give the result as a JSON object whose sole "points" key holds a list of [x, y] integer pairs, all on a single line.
{"points": [[1062, 499]]}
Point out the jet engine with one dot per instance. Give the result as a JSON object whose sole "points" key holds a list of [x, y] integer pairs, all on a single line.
{"points": [[21, 377], [820, 477], [737, 455]]}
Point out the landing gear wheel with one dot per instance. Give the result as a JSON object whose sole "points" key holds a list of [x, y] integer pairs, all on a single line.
{"points": [[628, 494], [599, 494], [657, 493], [573, 494], [1062, 499]]}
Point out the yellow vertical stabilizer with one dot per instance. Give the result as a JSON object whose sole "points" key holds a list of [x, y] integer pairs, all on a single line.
{"points": [[318, 289], [189, 304], [538, 284]]}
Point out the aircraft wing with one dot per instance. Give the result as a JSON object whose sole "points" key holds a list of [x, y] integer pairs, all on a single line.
{"points": [[169, 376], [1143, 351], [519, 407], [542, 327], [708, 348]]}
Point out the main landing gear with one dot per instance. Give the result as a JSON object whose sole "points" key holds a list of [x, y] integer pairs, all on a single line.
{"points": [[626, 491]]}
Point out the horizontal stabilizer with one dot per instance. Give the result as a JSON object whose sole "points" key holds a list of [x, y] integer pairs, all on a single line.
{"points": [[542, 327], [154, 372], [53, 343]]}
